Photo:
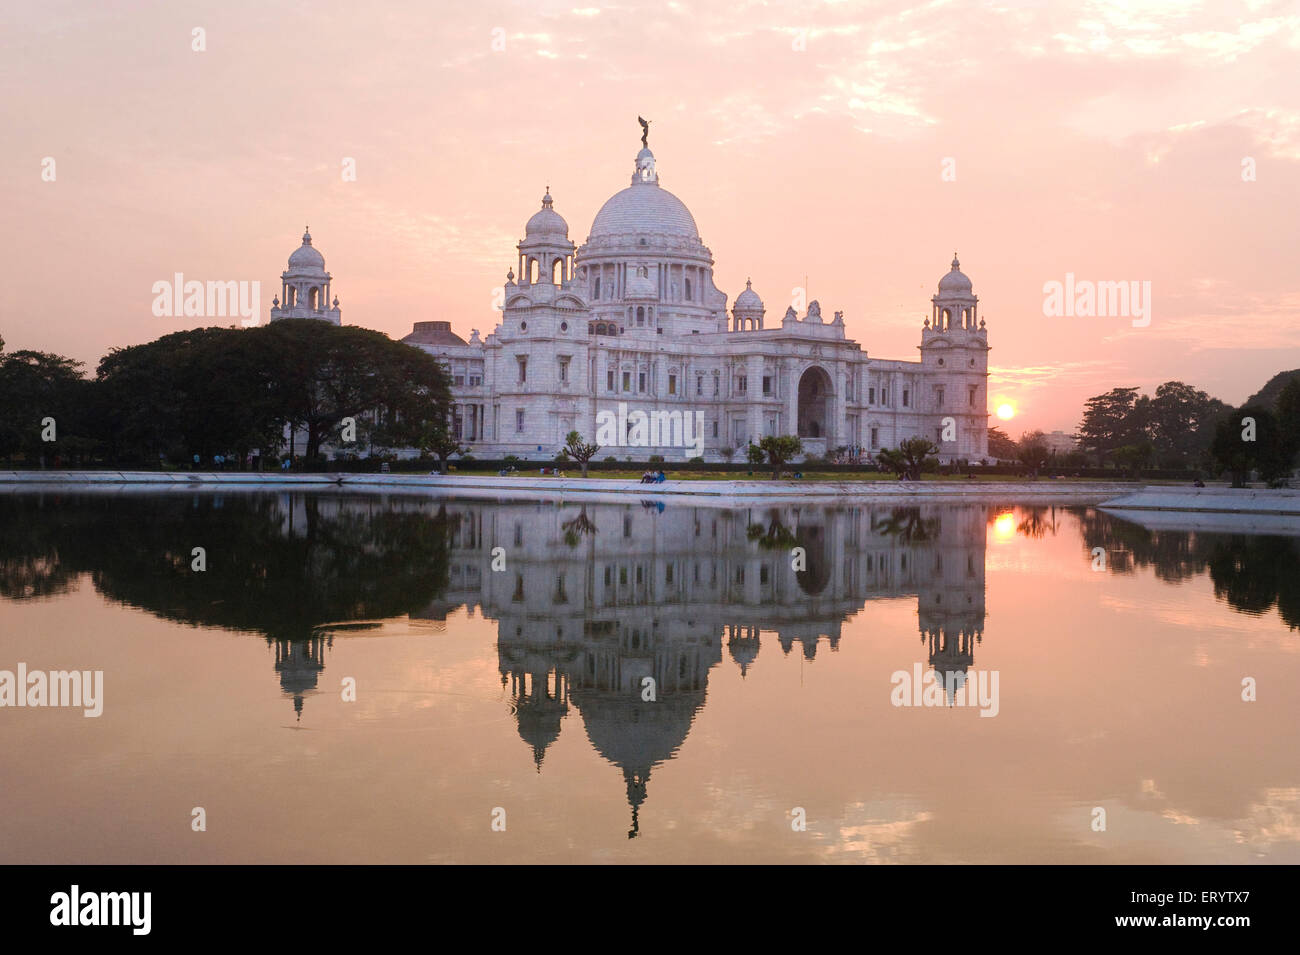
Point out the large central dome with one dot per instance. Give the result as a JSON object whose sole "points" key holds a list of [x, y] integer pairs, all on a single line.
{"points": [[644, 208]]}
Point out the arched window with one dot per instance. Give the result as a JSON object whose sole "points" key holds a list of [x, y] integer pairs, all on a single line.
{"points": [[557, 271], [532, 271], [290, 296], [688, 290], [640, 315], [595, 289], [946, 319], [313, 298]]}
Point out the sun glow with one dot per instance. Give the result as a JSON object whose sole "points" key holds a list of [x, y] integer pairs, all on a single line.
{"points": [[1006, 411]]}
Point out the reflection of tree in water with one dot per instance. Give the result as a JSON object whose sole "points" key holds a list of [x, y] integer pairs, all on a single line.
{"points": [[35, 531], [281, 565], [578, 527], [775, 536], [1174, 555], [1038, 522], [1252, 573], [908, 526], [1255, 573]]}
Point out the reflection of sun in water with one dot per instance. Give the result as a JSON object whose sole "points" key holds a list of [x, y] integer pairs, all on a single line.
{"points": [[1006, 411], [1004, 526]]}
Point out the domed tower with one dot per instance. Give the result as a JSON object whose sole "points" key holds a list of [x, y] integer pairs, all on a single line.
{"points": [[954, 355], [546, 254], [748, 310], [305, 287], [643, 267]]}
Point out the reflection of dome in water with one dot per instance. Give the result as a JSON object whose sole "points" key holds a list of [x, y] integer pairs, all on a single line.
{"points": [[744, 650], [539, 724], [299, 663], [636, 735]]}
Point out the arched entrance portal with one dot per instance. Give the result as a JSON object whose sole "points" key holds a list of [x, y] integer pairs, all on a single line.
{"points": [[814, 403]]}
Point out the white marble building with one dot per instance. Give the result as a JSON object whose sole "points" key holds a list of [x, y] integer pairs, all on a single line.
{"points": [[631, 321]]}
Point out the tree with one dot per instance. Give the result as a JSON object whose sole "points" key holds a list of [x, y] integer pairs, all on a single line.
{"points": [[1132, 457], [779, 450], [754, 453], [1109, 421], [909, 459], [1251, 438], [579, 450], [35, 386], [1001, 445], [441, 442], [727, 454], [1032, 450], [1174, 422], [1288, 420], [324, 373]]}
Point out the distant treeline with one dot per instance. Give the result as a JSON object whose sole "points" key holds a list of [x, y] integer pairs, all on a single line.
{"points": [[1178, 428], [281, 388]]}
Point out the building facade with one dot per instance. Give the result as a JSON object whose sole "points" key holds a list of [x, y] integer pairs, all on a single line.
{"points": [[627, 340]]}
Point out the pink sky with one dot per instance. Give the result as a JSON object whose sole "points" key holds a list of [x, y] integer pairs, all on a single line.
{"points": [[1105, 140]]}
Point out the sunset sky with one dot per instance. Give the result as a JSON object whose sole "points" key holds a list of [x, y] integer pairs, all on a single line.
{"points": [[808, 139]]}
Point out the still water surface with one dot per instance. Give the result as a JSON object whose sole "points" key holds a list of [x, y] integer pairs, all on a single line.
{"points": [[517, 693]]}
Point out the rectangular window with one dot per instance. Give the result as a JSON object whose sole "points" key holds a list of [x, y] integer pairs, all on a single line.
{"points": [[699, 385], [672, 384], [519, 420], [742, 384], [715, 428], [717, 385], [871, 396], [609, 379], [476, 381], [640, 381], [523, 369], [884, 397], [938, 396], [564, 369], [767, 384], [974, 390], [875, 437], [459, 381], [627, 381], [906, 395]]}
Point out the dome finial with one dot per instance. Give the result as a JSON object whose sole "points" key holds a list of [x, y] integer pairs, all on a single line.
{"points": [[306, 235], [645, 132], [955, 264]]}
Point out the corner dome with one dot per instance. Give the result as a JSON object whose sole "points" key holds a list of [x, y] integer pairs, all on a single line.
{"points": [[748, 298], [546, 221], [305, 258], [955, 282]]}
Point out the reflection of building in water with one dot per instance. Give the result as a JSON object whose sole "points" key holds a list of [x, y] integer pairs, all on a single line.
{"points": [[595, 599], [299, 663]]}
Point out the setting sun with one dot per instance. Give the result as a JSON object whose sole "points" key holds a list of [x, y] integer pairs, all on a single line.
{"points": [[1006, 411]]}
